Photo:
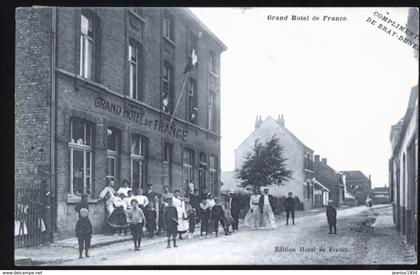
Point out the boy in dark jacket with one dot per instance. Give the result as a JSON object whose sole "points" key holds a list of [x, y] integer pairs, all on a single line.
{"points": [[204, 216], [171, 223], [84, 232], [218, 215], [331, 217], [83, 203], [151, 215]]}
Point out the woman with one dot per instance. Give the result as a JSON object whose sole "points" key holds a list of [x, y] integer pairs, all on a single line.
{"points": [[107, 195], [211, 203], [253, 217], [118, 218], [179, 203]]}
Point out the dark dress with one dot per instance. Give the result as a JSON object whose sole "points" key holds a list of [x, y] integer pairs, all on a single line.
{"points": [[171, 220], [118, 219], [204, 215], [150, 215], [235, 209]]}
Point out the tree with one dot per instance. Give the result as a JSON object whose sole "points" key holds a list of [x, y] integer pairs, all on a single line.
{"points": [[265, 165]]}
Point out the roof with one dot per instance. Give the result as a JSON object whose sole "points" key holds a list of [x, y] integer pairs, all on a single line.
{"points": [[355, 175], [204, 27], [268, 118], [320, 184]]}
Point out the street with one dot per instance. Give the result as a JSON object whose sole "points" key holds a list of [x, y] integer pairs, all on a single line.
{"points": [[307, 242]]}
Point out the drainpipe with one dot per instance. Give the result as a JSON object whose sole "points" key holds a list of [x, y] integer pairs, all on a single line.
{"points": [[52, 186]]}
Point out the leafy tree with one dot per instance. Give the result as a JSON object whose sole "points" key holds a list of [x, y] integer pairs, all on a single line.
{"points": [[264, 165]]}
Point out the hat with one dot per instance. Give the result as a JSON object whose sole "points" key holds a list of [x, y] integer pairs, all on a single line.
{"points": [[230, 191]]}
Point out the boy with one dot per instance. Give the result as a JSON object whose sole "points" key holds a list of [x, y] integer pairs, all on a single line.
{"points": [[151, 218], [331, 217], [171, 222], [84, 232], [204, 217], [136, 220], [218, 215]]}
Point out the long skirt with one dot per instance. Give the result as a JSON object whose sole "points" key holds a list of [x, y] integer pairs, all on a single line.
{"points": [[253, 217], [118, 219], [267, 219], [182, 224]]}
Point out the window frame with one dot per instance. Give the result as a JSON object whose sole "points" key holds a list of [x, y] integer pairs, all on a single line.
{"points": [[84, 71], [168, 81], [213, 63], [136, 94], [141, 159], [85, 149], [212, 111], [192, 100], [168, 26]]}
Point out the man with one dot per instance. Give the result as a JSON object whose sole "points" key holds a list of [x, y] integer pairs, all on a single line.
{"points": [[125, 188], [204, 194], [235, 209], [331, 217], [166, 196], [289, 204], [266, 205], [195, 203], [107, 195], [218, 215], [141, 199]]}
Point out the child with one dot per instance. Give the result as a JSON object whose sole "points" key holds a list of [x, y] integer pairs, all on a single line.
{"points": [[331, 217], [84, 232], [204, 217], [171, 222], [118, 218], [136, 220], [191, 222], [151, 218], [218, 215]]}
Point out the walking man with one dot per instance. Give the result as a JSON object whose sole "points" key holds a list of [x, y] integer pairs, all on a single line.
{"points": [[235, 209], [331, 217], [289, 204]]}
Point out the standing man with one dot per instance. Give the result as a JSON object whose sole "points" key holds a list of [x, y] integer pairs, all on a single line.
{"points": [[289, 204], [107, 195], [195, 203], [331, 217], [266, 205], [235, 209], [153, 196]]}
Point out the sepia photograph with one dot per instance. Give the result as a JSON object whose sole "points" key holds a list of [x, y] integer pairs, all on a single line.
{"points": [[198, 136]]}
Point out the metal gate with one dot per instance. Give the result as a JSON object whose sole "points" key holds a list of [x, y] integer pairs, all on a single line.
{"points": [[30, 226]]}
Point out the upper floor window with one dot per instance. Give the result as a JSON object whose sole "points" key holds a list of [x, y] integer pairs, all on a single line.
{"points": [[168, 25], [192, 101], [168, 86], [113, 139], [188, 164], [86, 46], [80, 132], [213, 63], [212, 111], [134, 70]]}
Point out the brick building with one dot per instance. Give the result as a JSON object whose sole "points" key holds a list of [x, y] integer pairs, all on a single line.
{"points": [[96, 90], [403, 163]]}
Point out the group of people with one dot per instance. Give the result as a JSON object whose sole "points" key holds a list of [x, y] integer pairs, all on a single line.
{"points": [[168, 212]]}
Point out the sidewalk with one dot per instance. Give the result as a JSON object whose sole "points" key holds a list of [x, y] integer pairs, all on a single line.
{"points": [[65, 250]]}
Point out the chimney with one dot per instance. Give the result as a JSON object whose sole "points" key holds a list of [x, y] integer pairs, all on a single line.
{"points": [[257, 122], [280, 120], [316, 158], [324, 161]]}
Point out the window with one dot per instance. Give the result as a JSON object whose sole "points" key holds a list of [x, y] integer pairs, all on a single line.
{"points": [[86, 46], [213, 175], [138, 161], [212, 111], [167, 94], [308, 191], [192, 101], [168, 26], [113, 139], [167, 164], [134, 70], [80, 157], [212, 63], [308, 162], [188, 163]]}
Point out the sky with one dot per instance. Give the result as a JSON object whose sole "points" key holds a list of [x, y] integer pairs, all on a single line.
{"points": [[340, 85]]}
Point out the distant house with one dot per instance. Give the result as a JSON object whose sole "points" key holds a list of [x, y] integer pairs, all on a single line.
{"points": [[358, 185], [380, 195], [330, 179], [311, 192]]}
